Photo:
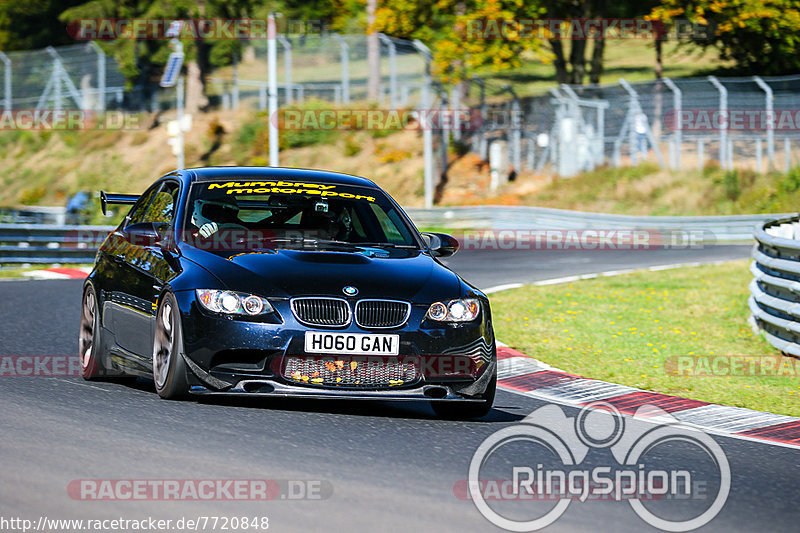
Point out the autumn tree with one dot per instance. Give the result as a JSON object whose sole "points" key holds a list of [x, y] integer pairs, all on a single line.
{"points": [[761, 36]]}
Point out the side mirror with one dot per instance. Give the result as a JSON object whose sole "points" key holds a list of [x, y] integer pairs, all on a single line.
{"points": [[441, 244], [145, 233]]}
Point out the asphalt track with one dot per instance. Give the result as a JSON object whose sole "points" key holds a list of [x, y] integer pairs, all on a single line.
{"points": [[392, 467]]}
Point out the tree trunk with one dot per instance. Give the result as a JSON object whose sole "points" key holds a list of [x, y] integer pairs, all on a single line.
{"points": [[577, 58], [559, 62], [659, 57], [597, 60], [373, 54]]}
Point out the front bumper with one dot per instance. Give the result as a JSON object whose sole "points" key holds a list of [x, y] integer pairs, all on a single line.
{"points": [[241, 357]]}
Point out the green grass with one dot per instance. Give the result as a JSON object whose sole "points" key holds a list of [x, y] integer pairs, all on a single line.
{"points": [[632, 59], [649, 190], [623, 329]]}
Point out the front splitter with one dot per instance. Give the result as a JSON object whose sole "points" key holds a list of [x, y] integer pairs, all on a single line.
{"points": [[271, 389]]}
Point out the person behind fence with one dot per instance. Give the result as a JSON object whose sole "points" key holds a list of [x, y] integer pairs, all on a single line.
{"points": [[640, 128]]}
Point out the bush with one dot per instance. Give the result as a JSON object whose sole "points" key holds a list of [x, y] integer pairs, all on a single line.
{"points": [[731, 183], [351, 146]]}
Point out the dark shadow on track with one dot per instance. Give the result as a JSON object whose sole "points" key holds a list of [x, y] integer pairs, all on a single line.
{"points": [[386, 409]]}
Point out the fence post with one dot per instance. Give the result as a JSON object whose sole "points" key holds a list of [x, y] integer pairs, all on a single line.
{"points": [[700, 154], [345, 51], [787, 148], [272, 79], [759, 164], [444, 144], [427, 137], [235, 90], [633, 111], [770, 121], [723, 131], [516, 130], [455, 104], [392, 69], [7, 81], [677, 108], [101, 76], [287, 65], [480, 135]]}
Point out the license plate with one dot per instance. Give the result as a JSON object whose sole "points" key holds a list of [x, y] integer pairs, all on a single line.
{"points": [[352, 343]]}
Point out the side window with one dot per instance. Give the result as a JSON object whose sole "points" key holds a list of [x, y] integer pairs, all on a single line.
{"points": [[138, 210], [162, 205], [390, 227]]}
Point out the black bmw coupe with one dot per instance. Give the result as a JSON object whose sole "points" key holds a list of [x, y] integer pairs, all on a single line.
{"points": [[284, 282]]}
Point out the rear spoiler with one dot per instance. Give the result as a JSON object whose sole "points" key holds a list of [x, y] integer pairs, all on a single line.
{"points": [[110, 198]]}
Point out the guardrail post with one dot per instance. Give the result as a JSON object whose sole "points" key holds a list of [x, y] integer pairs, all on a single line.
{"points": [[287, 65], [6, 81], [345, 54], [392, 69], [677, 108], [427, 137], [723, 131], [770, 111]]}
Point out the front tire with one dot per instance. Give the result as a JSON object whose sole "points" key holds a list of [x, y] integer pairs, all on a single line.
{"points": [[89, 337], [467, 411], [169, 368]]}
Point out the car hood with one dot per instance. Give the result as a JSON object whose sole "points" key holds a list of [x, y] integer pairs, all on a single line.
{"points": [[399, 274]]}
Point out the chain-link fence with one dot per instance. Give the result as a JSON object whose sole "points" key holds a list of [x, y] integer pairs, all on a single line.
{"points": [[327, 67], [687, 123], [684, 123], [67, 77]]}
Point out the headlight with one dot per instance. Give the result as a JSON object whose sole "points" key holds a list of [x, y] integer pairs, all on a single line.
{"points": [[462, 310], [232, 303]]}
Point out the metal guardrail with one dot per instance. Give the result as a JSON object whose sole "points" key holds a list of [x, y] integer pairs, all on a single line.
{"points": [[50, 243], [715, 228], [775, 289]]}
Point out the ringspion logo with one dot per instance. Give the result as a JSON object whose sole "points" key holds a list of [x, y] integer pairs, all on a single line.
{"points": [[674, 477]]}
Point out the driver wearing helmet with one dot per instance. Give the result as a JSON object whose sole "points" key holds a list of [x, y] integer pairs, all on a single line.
{"points": [[212, 215]]}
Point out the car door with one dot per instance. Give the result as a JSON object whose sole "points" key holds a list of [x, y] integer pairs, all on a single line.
{"points": [[138, 265]]}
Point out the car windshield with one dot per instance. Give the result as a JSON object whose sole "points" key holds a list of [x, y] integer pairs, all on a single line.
{"points": [[247, 214]]}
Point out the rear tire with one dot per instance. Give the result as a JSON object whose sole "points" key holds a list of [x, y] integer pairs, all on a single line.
{"points": [[169, 368], [89, 337], [467, 411]]}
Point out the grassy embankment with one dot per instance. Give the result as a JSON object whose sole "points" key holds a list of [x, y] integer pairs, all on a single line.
{"points": [[630, 329]]}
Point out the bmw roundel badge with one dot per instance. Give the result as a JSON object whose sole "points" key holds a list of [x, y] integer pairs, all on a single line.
{"points": [[350, 290]]}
